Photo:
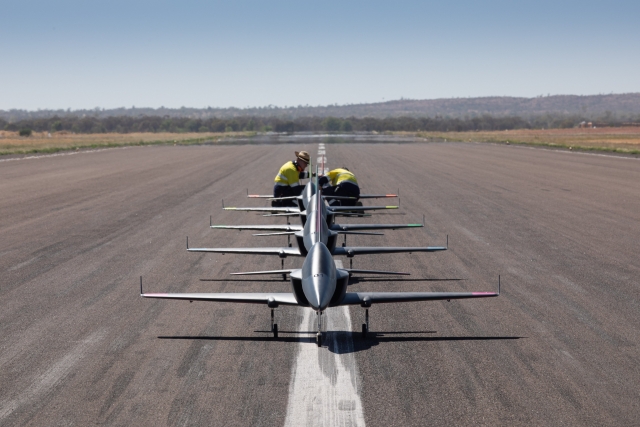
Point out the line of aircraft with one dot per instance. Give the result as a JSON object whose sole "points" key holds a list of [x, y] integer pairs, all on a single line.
{"points": [[319, 283]]}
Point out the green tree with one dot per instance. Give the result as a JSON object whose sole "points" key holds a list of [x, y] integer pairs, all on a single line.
{"points": [[331, 124], [166, 125]]}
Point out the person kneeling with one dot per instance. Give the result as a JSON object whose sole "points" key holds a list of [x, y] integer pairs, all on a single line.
{"points": [[287, 182], [340, 182]]}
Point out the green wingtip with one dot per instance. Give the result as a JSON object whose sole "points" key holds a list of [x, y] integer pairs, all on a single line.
{"points": [[414, 225]]}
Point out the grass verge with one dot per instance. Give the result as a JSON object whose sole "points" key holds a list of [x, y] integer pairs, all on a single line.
{"points": [[44, 142], [625, 140], [611, 140]]}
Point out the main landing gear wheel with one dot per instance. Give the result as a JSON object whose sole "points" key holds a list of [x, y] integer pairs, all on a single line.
{"points": [[365, 326], [319, 339], [274, 326]]}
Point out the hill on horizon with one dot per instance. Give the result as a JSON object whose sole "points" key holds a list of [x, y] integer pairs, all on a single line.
{"points": [[620, 106]]}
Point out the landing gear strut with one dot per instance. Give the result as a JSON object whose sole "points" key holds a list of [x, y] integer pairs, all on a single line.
{"points": [[365, 326], [274, 326], [319, 333]]}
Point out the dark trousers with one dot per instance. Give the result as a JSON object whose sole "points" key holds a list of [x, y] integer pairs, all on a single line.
{"points": [[286, 191], [344, 189]]}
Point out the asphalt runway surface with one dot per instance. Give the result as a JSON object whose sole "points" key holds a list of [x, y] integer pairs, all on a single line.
{"points": [[78, 346]]}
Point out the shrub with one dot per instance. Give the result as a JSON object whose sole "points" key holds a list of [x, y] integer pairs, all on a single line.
{"points": [[25, 132]]}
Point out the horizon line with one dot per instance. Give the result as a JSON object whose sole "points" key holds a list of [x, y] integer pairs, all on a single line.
{"points": [[287, 107]]}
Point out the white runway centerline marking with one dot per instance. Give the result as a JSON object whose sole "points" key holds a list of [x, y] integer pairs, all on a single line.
{"points": [[324, 389]]}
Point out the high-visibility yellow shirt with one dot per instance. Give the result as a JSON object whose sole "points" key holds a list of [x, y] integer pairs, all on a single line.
{"points": [[337, 176], [288, 175]]}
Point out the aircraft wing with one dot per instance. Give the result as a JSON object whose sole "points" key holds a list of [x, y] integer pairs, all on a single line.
{"points": [[284, 198], [271, 299], [359, 208], [353, 251], [367, 298], [291, 209], [283, 227], [283, 233], [376, 196], [354, 227], [352, 271], [254, 273], [331, 196], [286, 214], [282, 252]]}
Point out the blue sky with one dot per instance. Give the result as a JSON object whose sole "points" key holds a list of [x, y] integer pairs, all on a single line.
{"points": [[242, 53]]}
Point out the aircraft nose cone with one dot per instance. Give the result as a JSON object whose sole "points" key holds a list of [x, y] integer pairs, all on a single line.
{"points": [[319, 277], [317, 291]]}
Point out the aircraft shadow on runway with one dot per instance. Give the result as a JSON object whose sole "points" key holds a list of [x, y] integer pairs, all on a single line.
{"points": [[342, 342]]}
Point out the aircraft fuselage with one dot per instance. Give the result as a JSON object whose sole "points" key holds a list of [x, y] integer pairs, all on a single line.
{"points": [[319, 284]]}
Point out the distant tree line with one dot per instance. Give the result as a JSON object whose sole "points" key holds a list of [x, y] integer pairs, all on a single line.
{"points": [[619, 105], [128, 124]]}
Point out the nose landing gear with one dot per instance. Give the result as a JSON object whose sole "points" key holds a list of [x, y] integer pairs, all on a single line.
{"points": [[319, 333]]}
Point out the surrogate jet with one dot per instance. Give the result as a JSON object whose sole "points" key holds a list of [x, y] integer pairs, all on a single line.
{"points": [[319, 284], [303, 201], [308, 236]]}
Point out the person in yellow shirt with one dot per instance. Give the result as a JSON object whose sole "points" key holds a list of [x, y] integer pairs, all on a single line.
{"points": [[287, 181], [340, 182]]}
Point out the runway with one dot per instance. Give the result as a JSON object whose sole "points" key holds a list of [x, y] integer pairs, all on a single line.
{"points": [[78, 346]]}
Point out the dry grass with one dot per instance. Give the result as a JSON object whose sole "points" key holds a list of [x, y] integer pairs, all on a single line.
{"points": [[45, 142], [623, 139]]}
